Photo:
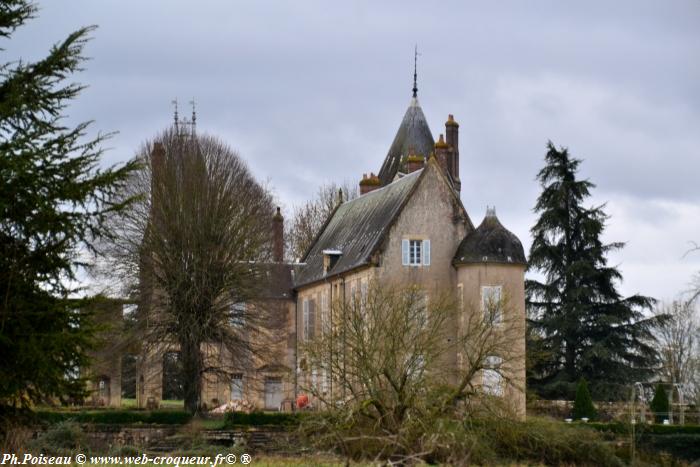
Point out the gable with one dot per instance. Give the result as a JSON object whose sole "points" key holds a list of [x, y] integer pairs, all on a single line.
{"points": [[359, 227], [356, 228]]}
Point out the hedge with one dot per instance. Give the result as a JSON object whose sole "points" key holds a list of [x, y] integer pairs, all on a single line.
{"points": [[117, 417], [680, 445], [260, 418], [657, 429]]}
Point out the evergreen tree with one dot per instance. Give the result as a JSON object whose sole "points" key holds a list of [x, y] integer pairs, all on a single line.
{"points": [[583, 404], [659, 404], [581, 326], [53, 202]]}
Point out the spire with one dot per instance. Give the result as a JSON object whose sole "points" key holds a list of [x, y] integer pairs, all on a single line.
{"points": [[176, 117], [415, 72], [194, 115]]}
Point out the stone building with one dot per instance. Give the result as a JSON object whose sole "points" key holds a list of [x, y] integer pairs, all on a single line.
{"points": [[408, 226]]}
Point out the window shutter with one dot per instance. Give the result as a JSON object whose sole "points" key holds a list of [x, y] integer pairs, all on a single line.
{"points": [[426, 252], [312, 319], [305, 319], [404, 252]]}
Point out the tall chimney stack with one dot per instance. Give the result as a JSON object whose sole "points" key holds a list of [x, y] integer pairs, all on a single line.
{"points": [[452, 134], [442, 154], [278, 237]]}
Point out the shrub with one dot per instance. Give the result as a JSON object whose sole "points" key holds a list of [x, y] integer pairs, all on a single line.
{"points": [[547, 442], [583, 404], [63, 438], [682, 446], [484, 441], [659, 404], [657, 429], [261, 418]]}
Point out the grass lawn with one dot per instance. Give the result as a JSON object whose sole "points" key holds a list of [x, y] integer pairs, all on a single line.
{"points": [[164, 404]]}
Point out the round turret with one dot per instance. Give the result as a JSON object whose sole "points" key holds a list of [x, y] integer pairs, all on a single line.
{"points": [[490, 243]]}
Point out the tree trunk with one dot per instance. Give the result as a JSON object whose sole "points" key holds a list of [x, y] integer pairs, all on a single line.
{"points": [[192, 373]]}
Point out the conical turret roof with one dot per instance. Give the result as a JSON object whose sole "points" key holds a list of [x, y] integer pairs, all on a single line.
{"points": [[490, 243], [413, 136]]}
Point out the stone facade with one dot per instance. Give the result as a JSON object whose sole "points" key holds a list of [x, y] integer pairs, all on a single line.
{"points": [[415, 199]]}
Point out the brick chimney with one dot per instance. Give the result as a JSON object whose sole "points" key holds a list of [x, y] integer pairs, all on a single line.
{"points": [[278, 237], [414, 162], [452, 134], [442, 154], [368, 184]]}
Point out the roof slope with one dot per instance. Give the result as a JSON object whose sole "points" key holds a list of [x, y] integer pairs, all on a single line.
{"points": [[490, 243], [413, 134], [356, 228], [276, 280]]}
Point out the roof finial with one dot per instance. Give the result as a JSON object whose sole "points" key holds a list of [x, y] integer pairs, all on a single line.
{"points": [[194, 115], [415, 72], [175, 116]]}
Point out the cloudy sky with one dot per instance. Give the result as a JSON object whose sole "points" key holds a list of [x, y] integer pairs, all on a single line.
{"points": [[310, 92]]}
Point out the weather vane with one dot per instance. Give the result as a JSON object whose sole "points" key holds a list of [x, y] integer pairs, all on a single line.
{"points": [[415, 72]]}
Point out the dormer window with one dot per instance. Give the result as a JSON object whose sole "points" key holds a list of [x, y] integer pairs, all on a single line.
{"points": [[415, 252], [330, 258]]}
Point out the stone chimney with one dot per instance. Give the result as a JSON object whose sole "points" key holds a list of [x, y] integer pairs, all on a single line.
{"points": [[368, 184], [278, 237], [452, 134], [442, 154]]}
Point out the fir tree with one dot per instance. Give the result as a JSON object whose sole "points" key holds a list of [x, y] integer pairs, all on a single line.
{"points": [[581, 326], [583, 404], [659, 404], [53, 202]]}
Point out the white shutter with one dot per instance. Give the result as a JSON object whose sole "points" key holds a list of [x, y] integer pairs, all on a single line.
{"points": [[404, 252], [426, 252]]}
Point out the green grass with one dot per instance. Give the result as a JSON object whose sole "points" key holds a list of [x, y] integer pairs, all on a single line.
{"points": [[164, 404]]}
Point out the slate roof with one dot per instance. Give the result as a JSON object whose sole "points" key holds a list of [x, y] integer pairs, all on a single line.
{"points": [[356, 228], [490, 243], [413, 133], [278, 280]]}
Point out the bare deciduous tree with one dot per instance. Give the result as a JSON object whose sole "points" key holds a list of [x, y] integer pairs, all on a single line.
{"points": [[309, 218], [678, 344], [190, 251], [390, 364]]}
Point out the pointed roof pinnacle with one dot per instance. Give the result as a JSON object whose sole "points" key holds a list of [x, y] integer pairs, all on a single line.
{"points": [[415, 72]]}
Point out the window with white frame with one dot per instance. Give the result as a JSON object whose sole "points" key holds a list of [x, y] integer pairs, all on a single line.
{"points": [[325, 312], [492, 379], [325, 382], [415, 252], [237, 386], [353, 294], [237, 316], [491, 303], [308, 318]]}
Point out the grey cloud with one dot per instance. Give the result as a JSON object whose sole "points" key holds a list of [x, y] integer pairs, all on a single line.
{"points": [[313, 91]]}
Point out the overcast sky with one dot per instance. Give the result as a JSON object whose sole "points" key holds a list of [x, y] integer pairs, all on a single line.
{"points": [[311, 92]]}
